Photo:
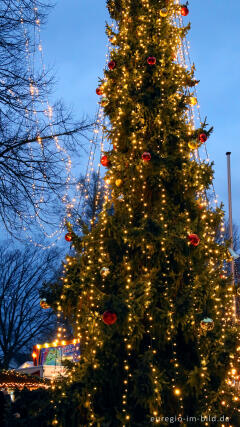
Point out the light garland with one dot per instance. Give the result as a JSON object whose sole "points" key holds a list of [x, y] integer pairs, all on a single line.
{"points": [[207, 219]]}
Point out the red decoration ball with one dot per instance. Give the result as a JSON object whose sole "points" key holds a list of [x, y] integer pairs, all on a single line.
{"points": [[109, 318], [68, 237], [184, 11], [194, 239], [151, 60], [146, 157], [99, 91], [111, 65], [105, 161], [202, 137]]}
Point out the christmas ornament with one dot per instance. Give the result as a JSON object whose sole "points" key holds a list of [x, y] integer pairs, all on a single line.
{"points": [[146, 157], [207, 324], [163, 12], [193, 145], [44, 304], [238, 291], [105, 161], [111, 65], [233, 253], [99, 91], [68, 237], [184, 10], [118, 182], [121, 198], [194, 239], [202, 137], [193, 100], [151, 60], [109, 318], [113, 39], [104, 271], [200, 204], [104, 102]]}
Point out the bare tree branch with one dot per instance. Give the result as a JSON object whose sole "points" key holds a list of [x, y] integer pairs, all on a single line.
{"points": [[21, 317], [35, 137]]}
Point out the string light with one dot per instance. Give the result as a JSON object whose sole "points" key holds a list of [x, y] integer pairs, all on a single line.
{"points": [[98, 257]]}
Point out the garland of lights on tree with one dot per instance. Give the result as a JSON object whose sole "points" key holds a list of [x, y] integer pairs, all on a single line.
{"points": [[147, 289]]}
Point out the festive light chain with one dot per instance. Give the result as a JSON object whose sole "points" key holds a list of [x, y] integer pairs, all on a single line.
{"points": [[185, 61], [97, 135], [34, 93], [148, 288], [230, 299]]}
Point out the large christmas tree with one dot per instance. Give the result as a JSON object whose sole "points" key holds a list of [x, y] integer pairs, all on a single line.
{"points": [[146, 289]]}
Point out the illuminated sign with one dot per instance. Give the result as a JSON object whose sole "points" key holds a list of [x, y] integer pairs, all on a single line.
{"points": [[55, 355]]}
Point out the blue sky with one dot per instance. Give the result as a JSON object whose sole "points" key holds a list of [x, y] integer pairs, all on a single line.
{"points": [[74, 42]]}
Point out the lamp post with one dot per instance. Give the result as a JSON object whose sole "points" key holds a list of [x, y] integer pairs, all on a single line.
{"points": [[228, 154]]}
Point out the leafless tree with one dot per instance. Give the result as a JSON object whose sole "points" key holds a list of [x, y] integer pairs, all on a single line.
{"points": [[22, 320], [35, 137]]}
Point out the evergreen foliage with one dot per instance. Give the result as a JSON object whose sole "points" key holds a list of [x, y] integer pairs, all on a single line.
{"points": [[156, 360]]}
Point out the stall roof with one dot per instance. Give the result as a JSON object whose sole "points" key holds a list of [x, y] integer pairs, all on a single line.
{"points": [[12, 379]]}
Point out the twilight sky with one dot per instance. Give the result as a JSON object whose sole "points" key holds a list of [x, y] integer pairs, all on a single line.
{"points": [[74, 43]]}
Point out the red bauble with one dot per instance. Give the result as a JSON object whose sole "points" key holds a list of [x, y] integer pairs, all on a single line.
{"points": [[105, 161], [184, 11], [99, 91], [151, 60], [202, 137], [146, 157], [109, 318], [194, 239], [68, 237], [111, 65]]}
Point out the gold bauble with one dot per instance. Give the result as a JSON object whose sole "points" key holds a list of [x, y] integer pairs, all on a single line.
{"points": [[193, 145], [207, 324], [113, 39], [164, 12], [118, 182], [193, 101], [104, 102], [104, 271], [44, 304]]}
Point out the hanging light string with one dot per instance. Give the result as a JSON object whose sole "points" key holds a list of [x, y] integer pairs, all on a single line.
{"points": [[96, 149], [228, 305], [194, 119], [30, 59], [129, 289], [38, 197]]}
